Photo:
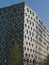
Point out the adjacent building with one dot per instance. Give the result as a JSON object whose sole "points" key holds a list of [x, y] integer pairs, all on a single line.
{"points": [[19, 22]]}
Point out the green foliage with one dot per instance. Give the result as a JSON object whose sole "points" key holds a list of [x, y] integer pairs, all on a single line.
{"points": [[46, 61], [15, 55]]}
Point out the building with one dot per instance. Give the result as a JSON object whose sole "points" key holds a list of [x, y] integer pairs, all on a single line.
{"points": [[19, 22]]}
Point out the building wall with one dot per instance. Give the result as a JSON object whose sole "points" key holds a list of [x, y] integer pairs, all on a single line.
{"points": [[36, 37], [29, 35], [19, 22], [11, 29]]}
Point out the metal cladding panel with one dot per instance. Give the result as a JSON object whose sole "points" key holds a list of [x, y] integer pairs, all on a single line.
{"points": [[11, 28]]}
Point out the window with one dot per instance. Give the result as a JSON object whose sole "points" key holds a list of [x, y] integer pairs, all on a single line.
{"points": [[40, 49], [31, 28], [44, 35], [31, 18], [32, 24], [36, 36], [40, 39], [40, 22], [25, 36], [25, 25], [26, 43], [27, 60], [31, 50], [27, 10], [5, 60], [24, 48], [26, 54], [36, 46], [39, 58], [27, 31], [32, 34], [32, 44], [28, 27], [28, 16], [27, 20], [30, 12], [40, 31], [31, 38], [23, 60], [36, 27], [36, 17], [36, 57], [29, 44], [33, 14], [44, 43], [27, 49], [28, 37], [29, 55], [44, 27], [30, 61]]}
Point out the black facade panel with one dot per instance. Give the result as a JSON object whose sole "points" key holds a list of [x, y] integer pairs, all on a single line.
{"points": [[11, 28]]}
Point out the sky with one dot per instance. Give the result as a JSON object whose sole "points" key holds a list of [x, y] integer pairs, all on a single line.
{"points": [[41, 7]]}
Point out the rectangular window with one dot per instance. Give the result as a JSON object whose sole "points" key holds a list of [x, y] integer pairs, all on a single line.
{"points": [[40, 39]]}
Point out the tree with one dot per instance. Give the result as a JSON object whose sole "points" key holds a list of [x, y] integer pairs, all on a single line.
{"points": [[15, 55], [46, 61]]}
